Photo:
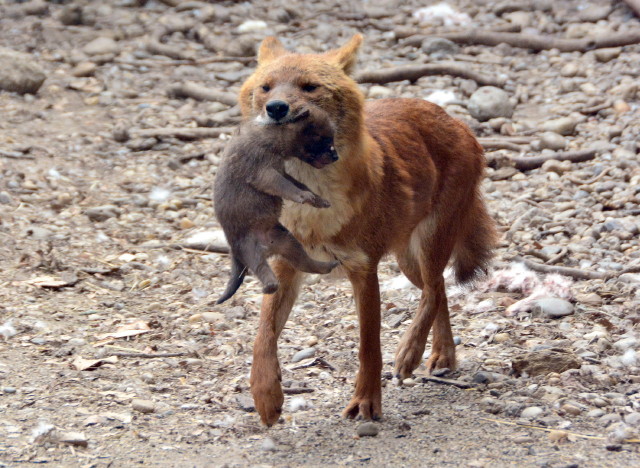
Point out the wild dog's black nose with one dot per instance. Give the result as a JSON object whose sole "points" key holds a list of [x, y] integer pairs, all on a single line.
{"points": [[277, 109]]}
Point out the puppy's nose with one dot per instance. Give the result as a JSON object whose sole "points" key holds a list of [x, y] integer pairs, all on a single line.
{"points": [[277, 109], [334, 155]]}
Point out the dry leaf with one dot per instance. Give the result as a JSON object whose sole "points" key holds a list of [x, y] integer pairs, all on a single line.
{"points": [[131, 329], [82, 364], [53, 281]]}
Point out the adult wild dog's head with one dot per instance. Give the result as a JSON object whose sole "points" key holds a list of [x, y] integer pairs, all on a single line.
{"points": [[285, 83]]}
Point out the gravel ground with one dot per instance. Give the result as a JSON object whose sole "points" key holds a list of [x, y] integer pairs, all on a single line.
{"points": [[112, 352]]}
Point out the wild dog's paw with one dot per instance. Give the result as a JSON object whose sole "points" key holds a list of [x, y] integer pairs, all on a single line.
{"points": [[408, 359], [268, 398], [442, 357], [362, 407]]}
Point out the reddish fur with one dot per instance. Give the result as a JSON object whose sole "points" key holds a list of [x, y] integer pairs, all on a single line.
{"points": [[406, 183]]}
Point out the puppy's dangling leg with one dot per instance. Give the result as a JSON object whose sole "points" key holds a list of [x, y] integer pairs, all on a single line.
{"points": [[238, 271], [254, 255], [285, 244]]}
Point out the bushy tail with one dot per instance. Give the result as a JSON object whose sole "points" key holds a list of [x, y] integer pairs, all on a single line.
{"points": [[238, 271], [474, 249]]}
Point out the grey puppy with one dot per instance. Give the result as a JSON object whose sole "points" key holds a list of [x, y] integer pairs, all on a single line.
{"points": [[250, 185]]}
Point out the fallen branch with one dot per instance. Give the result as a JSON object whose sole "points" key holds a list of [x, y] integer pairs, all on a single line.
{"points": [[440, 380], [492, 145], [297, 390], [182, 133], [150, 355], [527, 163], [15, 155], [156, 47], [201, 93], [215, 248], [535, 42], [546, 429], [564, 271], [415, 72], [592, 180], [596, 108], [576, 272]]}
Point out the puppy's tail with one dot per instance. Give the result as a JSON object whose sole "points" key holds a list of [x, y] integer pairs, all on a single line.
{"points": [[238, 271]]}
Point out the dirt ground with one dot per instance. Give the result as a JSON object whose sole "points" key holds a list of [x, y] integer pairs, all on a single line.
{"points": [[112, 352]]}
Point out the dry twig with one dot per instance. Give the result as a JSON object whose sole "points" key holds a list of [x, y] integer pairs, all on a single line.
{"points": [[182, 133], [527, 163], [201, 93], [535, 42], [415, 72]]}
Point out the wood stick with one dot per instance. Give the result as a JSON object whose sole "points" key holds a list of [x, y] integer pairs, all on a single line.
{"points": [[15, 155], [215, 248], [149, 355], [201, 93], [182, 133], [527, 163], [414, 72], [535, 42], [564, 271], [492, 145], [158, 48], [297, 390], [634, 5], [440, 380]]}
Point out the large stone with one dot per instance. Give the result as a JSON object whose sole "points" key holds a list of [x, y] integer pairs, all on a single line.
{"points": [[19, 73], [489, 102], [563, 125], [552, 307], [544, 362], [439, 47], [101, 46]]}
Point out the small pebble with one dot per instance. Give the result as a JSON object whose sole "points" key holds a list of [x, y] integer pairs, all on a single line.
{"points": [[607, 54], [71, 438], [571, 409], [531, 412], [303, 354], [367, 429], [143, 406], [563, 126], [268, 445]]}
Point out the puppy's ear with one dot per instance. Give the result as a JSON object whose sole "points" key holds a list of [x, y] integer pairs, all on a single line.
{"points": [[270, 49], [346, 56]]}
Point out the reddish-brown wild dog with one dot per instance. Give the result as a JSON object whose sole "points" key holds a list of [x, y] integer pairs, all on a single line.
{"points": [[406, 183]]}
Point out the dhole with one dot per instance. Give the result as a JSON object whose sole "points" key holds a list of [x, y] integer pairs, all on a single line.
{"points": [[406, 183]]}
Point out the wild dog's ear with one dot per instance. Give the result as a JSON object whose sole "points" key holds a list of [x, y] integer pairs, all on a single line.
{"points": [[346, 56], [270, 49]]}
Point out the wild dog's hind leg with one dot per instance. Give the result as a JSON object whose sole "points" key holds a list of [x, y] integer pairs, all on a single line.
{"points": [[285, 244], [367, 398], [265, 369], [424, 267]]}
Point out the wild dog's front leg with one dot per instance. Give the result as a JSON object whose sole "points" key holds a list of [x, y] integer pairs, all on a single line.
{"points": [[265, 370], [367, 399]]}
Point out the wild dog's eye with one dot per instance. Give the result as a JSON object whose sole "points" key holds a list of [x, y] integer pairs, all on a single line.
{"points": [[309, 88], [266, 88]]}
